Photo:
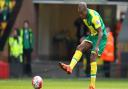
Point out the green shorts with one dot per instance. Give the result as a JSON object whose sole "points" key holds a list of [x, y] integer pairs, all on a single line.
{"points": [[93, 41]]}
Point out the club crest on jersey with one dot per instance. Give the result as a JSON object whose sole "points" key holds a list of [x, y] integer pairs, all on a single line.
{"points": [[98, 22]]}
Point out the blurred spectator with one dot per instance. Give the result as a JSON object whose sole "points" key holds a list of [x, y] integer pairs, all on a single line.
{"points": [[6, 7], [5, 15], [118, 29], [15, 54], [2, 2], [5, 12], [27, 36], [12, 4], [119, 23], [108, 53], [82, 31]]}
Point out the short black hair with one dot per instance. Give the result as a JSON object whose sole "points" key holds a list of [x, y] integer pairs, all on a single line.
{"points": [[26, 21]]}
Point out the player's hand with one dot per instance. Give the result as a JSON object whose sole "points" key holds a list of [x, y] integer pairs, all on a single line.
{"points": [[96, 50]]}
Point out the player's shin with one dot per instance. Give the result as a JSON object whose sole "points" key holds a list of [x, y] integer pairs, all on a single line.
{"points": [[93, 73], [76, 57]]}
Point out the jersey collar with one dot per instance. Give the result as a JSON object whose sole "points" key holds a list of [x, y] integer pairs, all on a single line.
{"points": [[87, 16]]}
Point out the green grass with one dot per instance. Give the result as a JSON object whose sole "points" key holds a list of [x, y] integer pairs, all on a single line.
{"points": [[65, 84]]}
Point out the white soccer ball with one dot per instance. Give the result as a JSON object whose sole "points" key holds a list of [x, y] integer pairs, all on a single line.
{"points": [[37, 82]]}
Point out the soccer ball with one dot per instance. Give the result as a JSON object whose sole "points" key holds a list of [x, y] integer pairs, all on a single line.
{"points": [[37, 82]]}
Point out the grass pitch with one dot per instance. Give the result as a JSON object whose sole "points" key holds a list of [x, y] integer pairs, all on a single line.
{"points": [[65, 84]]}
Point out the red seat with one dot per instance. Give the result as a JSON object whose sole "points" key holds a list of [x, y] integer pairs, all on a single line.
{"points": [[4, 70]]}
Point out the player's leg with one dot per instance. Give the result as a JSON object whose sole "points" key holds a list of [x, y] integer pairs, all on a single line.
{"points": [[93, 58], [93, 70], [76, 57], [88, 67], [78, 53]]}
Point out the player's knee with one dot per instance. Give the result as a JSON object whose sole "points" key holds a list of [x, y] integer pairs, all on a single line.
{"points": [[93, 57], [88, 45], [84, 46]]}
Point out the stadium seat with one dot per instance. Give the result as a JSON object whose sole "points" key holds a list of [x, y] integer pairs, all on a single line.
{"points": [[4, 70]]}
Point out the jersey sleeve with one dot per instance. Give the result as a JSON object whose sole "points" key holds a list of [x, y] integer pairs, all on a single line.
{"points": [[96, 22]]}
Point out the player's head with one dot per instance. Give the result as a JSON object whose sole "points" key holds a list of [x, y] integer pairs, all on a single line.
{"points": [[26, 24], [14, 33], [82, 9]]}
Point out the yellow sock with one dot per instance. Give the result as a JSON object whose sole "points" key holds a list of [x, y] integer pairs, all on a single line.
{"points": [[76, 57], [93, 72]]}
